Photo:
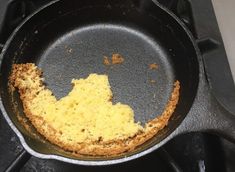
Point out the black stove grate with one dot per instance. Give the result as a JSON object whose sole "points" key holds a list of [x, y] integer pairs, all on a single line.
{"points": [[195, 152]]}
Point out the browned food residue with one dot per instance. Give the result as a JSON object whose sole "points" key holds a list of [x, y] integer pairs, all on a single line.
{"points": [[106, 61], [68, 49], [153, 66], [115, 59]]}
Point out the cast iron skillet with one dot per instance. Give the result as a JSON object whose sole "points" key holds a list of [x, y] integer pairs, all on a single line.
{"points": [[68, 39]]}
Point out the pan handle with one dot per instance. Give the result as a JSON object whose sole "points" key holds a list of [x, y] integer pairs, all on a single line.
{"points": [[205, 28], [215, 60], [214, 110], [207, 115]]}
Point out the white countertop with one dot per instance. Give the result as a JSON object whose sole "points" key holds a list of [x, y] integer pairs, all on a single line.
{"points": [[225, 14]]}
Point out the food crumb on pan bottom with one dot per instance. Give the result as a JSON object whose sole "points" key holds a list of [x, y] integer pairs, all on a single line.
{"points": [[115, 59]]}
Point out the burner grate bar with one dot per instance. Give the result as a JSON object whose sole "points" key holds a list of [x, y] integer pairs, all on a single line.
{"points": [[171, 162], [19, 162]]}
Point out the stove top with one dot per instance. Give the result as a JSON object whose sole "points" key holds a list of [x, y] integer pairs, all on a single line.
{"points": [[194, 152]]}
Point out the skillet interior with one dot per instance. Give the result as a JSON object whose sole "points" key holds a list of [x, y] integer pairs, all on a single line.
{"points": [[69, 39]]}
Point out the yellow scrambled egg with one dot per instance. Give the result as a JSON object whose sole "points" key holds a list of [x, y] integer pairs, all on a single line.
{"points": [[87, 112]]}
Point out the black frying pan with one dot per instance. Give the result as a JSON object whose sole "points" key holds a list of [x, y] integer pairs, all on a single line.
{"points": [[68, 39]]}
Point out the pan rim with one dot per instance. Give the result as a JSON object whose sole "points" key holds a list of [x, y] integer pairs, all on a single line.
{"points": [[95, 162]]}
